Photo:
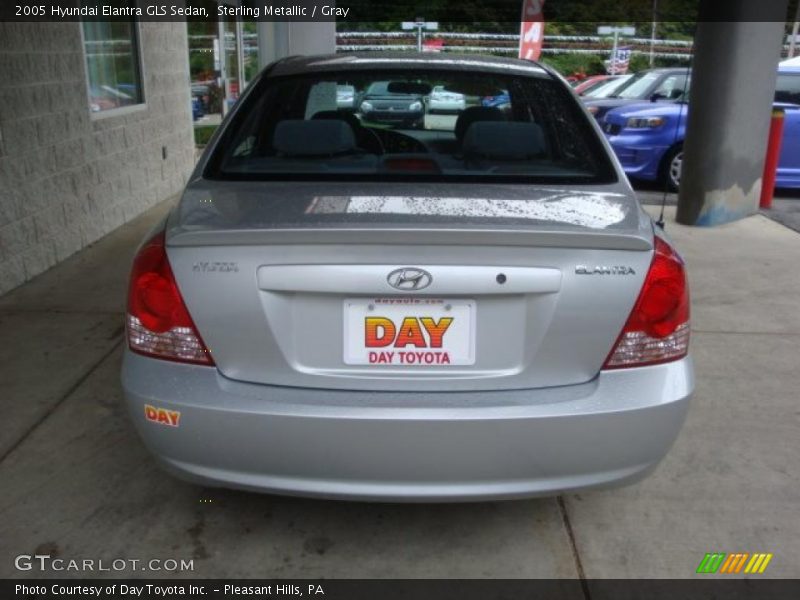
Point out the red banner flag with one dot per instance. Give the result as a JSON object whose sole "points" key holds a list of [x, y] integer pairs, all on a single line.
{"points": [[531, 33]]}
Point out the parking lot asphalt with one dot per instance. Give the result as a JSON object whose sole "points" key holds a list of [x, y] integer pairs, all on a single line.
{"points": [[78, 484]]}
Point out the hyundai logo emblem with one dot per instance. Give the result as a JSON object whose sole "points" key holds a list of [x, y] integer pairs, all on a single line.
{"points": [[409, 279]]}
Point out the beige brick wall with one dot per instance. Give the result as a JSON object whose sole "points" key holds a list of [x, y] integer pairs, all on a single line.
{"points": [[67, 179]]}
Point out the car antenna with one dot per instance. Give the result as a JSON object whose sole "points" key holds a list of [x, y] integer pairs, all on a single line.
{"points": [[660, 221]]}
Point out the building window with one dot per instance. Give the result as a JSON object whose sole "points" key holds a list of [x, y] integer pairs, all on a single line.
{"points": [[112, 65]]}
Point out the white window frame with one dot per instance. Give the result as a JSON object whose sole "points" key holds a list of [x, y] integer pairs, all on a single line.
{"points": [[122, 110]]}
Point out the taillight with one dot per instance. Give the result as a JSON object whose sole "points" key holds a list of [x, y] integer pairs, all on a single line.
{"points": [[158, 323], [657, 329]]}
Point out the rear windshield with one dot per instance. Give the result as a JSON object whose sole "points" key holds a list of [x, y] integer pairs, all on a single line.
{"points": [[411, 125]]}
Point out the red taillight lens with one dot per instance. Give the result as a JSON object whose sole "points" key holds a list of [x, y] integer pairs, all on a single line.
{"points": [[158, 323], [658, 327]]}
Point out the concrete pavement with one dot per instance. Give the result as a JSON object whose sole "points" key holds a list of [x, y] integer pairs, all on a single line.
{"points": [[786, 209], [731, 482], [785, 205], [78, 484]]}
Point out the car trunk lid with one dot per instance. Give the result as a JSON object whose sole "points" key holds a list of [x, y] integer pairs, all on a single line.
{"points": [[524, 286]]}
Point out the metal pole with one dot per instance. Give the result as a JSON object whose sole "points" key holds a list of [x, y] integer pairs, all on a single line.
{"points": [[795, 27], [240, 54], [773, 155], [614, 53], [419, 37], [223, 71], [653, 34]]}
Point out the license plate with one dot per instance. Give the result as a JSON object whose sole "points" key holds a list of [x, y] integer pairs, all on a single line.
{"points": [[409, 332]]}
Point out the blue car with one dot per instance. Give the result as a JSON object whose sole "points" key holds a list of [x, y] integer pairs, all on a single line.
{"points": [[502, 100], [648, 137]]}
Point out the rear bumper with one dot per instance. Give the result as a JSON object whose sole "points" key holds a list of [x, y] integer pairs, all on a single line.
{"points": [[408, 446], [393, 116], [788, 178], [443, 107]]}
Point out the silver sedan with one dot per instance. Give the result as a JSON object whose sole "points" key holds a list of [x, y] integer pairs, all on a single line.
{"points": [[342, 310]]}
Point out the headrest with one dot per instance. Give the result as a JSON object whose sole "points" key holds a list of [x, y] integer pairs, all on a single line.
{"points": [[335, 115], [504, 141], [313, 138], [473, 114]]}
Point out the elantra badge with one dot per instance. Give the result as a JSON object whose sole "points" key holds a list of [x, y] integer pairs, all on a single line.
{"points": [[604, 270]]}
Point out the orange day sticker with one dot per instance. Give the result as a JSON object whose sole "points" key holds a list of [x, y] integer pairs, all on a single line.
{"points": [[162, 416]]}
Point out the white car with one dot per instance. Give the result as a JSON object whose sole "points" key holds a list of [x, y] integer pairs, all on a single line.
{"points": [[345, 96], [444, 101]]}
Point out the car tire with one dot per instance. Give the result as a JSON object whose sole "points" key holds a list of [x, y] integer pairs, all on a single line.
{"points": [[671, 166]]}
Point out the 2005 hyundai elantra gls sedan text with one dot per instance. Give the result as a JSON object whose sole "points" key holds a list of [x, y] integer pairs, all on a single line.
{"points": [[475, 308]]}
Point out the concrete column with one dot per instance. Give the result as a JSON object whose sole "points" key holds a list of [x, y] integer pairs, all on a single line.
{"points": [[279, 39], [733, 84]]}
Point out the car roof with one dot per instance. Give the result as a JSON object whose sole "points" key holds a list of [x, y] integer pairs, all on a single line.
{"points": [[297, 65], [663, 70]]}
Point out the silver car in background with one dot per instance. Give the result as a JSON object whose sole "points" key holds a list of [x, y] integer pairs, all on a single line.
{"points": [[346, 310]]}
